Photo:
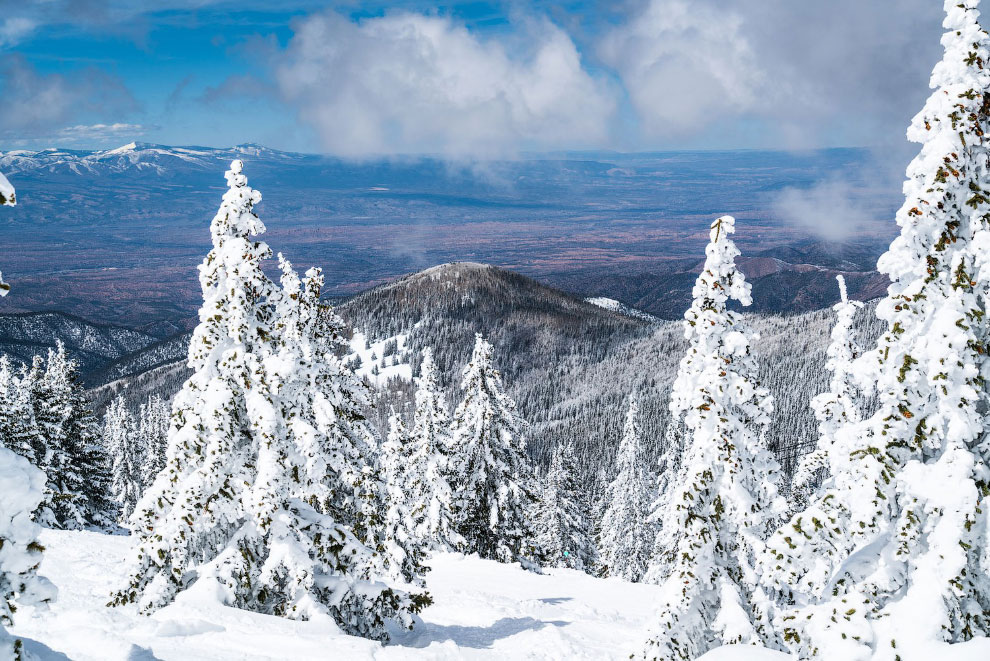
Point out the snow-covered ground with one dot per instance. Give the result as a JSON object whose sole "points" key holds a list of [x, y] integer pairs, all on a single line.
{"points": [[482, 610], [621, 308], [372, 355]]}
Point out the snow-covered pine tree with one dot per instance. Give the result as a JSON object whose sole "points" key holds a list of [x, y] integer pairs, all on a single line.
{"points": [[253, 493], [77, 466], [668, 468], [7, 198], [563, 518], [623, 532], [893, 556], [837, 407], [431, 498], [22, 486], [405, 550], [21, 433], [194, 511], [9, 413], [493, 476], [333, 400], [152, 433], [726, 498], [127, 451]]}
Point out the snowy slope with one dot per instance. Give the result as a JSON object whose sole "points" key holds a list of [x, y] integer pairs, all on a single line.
{"points": [[482, 610], [365, 357], [621, 308]]}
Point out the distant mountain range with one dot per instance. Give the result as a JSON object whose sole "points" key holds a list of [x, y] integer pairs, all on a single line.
{"points": [[134, 158], [116, 235]]}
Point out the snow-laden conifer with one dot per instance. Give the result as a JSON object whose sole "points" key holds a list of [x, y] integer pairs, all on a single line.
{"points": [[20, 430], [152, 433], [262, 496], [21, 490], [668, 468], [623, 535], [7, 198], [431, 497], [405, 550], [75, 462], [725, 497], [563, 520], [11, 412], [893, 555], [122, 441], [331, 399], [493, 476], [838, 406]]}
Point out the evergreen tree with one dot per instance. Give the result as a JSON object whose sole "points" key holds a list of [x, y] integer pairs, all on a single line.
{"points": [[11, 413], [330, 399], [893, 555], [623, 536], [432, 500], [405, 549], [668, 468], [121, 439], [492, 471], [21, 433], [563, 517], [258, 493], [725, 499], [152, 433], [835, 408], [76, 464], [21, 486], [7, 198]]}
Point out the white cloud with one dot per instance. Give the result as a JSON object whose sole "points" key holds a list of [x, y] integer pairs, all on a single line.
{"points": [[803, 74], [684, 64], [15, 28], [832, 209], [99, 133], [412, 83], [37, 104]]}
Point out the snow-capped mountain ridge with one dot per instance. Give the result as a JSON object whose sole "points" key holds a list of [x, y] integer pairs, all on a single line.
{"points": [[140, 156]]}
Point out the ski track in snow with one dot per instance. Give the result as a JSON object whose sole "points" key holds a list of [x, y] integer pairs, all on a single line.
{"points": [[482, 610]]}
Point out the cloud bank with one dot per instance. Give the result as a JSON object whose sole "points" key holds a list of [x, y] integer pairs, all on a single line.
{"points": [[36, 104], [414, 83]]}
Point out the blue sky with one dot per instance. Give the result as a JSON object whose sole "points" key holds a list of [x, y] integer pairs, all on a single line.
{"points": [[472, 79]]}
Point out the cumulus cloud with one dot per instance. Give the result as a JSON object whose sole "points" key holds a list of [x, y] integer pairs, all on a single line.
{"points": [[807, 73], [413, 83], [36, 105], [683, 63]]}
